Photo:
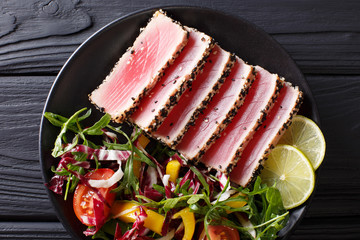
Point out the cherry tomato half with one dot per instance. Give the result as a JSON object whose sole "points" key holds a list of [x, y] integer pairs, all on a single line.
{"points": [[222, 233], [83, 197]]}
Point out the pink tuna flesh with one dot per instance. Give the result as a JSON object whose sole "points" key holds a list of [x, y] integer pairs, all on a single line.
{"points": [[195, 98], [217, 114], [278, 119], [156, 104], [140, 67], [262, 94]]}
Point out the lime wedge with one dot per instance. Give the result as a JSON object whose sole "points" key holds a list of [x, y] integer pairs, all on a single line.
{"points": [[291, 172], [306, 136]]}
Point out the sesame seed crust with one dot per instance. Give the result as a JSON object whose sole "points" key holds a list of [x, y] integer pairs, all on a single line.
{"points": [[122, 116]]}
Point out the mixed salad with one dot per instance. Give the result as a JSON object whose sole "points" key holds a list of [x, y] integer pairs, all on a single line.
{"points": [[125, 186]]}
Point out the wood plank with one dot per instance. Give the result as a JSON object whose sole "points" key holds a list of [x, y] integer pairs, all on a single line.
{"points": [[33, 230], [36, 37], [314, 228], [21, 187]]}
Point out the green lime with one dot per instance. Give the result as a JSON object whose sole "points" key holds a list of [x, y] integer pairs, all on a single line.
{"points": [[306, 136], [291, 172]]}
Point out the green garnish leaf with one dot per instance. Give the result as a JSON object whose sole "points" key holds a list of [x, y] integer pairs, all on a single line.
{"points": [[58, 149], [195, 198], [201, 179], [96, 128]]}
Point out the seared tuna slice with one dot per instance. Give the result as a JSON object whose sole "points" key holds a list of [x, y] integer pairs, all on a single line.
{"points": [[218, 113], [227, 148], [154, 107], [140, 67], [277, 121], [195, 99]]}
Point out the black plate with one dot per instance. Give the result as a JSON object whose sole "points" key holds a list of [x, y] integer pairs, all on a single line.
{"points": [[93, 60]]}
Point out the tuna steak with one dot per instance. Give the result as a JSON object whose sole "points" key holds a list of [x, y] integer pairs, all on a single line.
{"points": [[154, 107], [219, 112], [262, 94], [195, 99], [140, 67], [278, 119]]}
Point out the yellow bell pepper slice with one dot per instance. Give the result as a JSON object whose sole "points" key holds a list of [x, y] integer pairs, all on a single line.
{"points": [[236, 204], [143, 142], [125, 211], [188, 219], [173, 169]]}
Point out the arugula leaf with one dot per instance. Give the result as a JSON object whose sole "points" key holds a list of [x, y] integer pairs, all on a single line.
{"points": [[129, 183], [159, 188], [137, 133], [201, 179], [96, 128], [117, 146], [143, 157], [195, 198], [58, 150]]}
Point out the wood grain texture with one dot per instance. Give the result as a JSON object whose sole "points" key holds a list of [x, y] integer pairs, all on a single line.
{"points": [[22, 192], [37, 37], [33, 230], [313, 228]]}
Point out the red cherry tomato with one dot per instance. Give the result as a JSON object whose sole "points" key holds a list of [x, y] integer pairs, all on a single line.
{"points": [[222, 233], [83, 197]]}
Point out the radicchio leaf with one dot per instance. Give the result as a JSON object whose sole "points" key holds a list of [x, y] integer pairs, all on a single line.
{"points": [[102, 154], [152, 194], [99, 218], [56, 184]]}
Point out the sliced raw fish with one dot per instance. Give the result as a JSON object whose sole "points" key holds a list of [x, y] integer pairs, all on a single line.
{"points": [[154, 107], [195, 99], [219, 112], [140, 67], [277, 121], [223, 154]]}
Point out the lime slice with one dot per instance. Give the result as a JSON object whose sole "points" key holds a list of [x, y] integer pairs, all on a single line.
{"points": [[292, 172], [306, 136]]}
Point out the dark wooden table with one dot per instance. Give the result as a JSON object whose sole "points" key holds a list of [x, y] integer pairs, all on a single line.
{"points": [[37, 36]]}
